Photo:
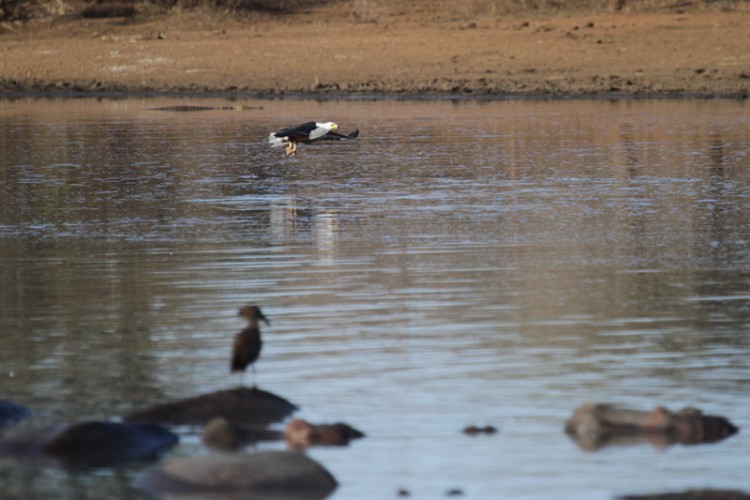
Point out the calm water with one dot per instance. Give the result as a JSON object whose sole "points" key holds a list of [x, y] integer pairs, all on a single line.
{"points": [[460, 263]]}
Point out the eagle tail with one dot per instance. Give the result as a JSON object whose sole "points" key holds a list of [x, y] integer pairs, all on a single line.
{"points": [[277, 142]]}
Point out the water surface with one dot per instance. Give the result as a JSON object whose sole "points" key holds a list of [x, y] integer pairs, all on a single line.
{"points": [[462, 262]]}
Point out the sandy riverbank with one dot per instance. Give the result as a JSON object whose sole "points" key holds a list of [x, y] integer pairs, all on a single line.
{"points": [[412, 51]]}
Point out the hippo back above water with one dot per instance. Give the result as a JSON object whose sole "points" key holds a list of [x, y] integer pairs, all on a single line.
{"points": [[91, 444]]}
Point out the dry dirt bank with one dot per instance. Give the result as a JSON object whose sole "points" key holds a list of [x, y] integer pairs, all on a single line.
{"points": [[327, 51]]}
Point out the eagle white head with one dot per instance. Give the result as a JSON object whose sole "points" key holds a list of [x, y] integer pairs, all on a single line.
{"points": [[327, 125], [321, 129]]}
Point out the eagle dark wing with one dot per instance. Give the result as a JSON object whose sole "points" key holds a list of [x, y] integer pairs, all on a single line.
{"points": [[298, 133], [333, 136]]}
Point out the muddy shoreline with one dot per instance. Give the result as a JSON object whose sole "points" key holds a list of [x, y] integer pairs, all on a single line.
{"points": [[53, 92], [410, 54]]}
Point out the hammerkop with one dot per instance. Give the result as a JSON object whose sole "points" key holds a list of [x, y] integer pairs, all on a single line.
{"points": [[247, 343]]}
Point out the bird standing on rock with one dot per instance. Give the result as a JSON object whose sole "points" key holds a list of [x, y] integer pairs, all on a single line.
{"points": [[247, 343]]}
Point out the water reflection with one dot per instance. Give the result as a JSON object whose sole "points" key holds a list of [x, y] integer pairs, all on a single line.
{"points": [[500, 262]]}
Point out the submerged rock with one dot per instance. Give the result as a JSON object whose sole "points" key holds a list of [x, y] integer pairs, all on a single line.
{"points": [[11, 413], [91, 444], [594, 426], [692, 495], [268, 474], [300, 434], [241, 406]]}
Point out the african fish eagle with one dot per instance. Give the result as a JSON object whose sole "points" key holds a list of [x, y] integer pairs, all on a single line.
{"points": [[306, 133]]}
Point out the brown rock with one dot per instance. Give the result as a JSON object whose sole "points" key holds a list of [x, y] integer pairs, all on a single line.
{"points": [[241, 406], [268, 474]]}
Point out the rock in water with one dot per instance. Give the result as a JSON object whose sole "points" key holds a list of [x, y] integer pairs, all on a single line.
{"points": [[241, 405], [267, 474]]}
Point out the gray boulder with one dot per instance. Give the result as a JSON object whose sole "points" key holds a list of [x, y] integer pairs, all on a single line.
{"points": [[263, 475]]}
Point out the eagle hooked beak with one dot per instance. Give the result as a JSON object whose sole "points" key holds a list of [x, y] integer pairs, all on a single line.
{"points": [[334, 125]]}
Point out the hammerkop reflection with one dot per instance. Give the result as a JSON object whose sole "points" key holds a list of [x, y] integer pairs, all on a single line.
{"points": [[247, 343]]}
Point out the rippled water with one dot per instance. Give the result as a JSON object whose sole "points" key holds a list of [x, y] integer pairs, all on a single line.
{"points": [[462, 262]]}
